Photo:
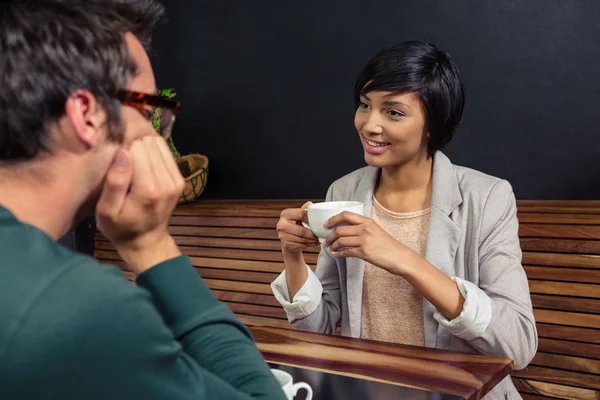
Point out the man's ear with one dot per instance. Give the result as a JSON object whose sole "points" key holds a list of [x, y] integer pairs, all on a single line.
{"points": [[86, 116]]}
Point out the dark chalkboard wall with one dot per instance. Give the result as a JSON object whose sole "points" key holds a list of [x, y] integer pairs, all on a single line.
{"points": [[267, 88]]}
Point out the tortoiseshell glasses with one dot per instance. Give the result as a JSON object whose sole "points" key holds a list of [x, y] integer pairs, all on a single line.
{"points": [[160, 111]]}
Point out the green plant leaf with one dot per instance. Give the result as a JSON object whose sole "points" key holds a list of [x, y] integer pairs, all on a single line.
{"points": [[169, 94]]}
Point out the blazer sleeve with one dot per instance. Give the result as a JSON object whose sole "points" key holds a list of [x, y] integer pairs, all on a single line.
{"points": [[317, 305], [511, 331]]}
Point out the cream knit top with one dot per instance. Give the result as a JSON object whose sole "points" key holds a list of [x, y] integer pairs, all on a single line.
{"points": [[392, 310]]}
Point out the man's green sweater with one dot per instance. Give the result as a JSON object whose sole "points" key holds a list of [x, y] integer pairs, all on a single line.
{"points": [[72, 328]]}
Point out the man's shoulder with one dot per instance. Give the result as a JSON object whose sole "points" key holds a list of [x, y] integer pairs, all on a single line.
{"points": [[88, 320], [82, 302], [32, 264], [44, 283], [84, 287], [63, 289]]}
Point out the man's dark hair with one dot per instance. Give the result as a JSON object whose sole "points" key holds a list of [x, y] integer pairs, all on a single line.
{"points": [[420, 68], [49, 49]]}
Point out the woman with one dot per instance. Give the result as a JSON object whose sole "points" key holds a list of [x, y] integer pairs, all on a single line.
{"points": [[436, 260]]}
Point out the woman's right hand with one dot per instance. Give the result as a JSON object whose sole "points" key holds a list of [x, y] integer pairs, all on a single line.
{"points": [[293, 235]]}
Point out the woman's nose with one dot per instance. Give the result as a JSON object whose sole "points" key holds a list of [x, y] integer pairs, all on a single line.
{"points": [[373, 124]]}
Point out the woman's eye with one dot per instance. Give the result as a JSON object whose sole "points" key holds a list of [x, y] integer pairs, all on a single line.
{"points": [[363, 105], [395, 114]]}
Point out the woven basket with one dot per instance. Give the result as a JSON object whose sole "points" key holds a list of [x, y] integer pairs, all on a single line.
{"points": [[196, 182]]}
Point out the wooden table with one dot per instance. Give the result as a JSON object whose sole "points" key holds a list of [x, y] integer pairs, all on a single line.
{"points": [[469, 376]]}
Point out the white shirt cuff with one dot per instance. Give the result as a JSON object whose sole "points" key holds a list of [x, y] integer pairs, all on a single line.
{"points": [[475, 315], [305, 302]]}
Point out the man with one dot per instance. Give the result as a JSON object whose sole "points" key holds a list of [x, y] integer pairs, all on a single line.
{"points": [[75, 136]]}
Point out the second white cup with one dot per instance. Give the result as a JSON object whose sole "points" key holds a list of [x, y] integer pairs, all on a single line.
{"points": [[289, 387]]}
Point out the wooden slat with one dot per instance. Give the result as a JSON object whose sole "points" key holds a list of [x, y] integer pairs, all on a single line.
{"points": [[255, 310], [107, 256], [570, 363], [560, 231], [250, 320], [234, 286], [568, 347], [231, 212], [527, 396], [222, 243], [563, 303], [568, 333], [234, 296], [565, 288], [229, 208], [561, 260], [549, 259], [231, 254], [567, 318], [570, 246], [249, 298], [237, 276], [526, 206], [562, 218], [221, 263], [555, 390], [239, 222], [256, 255], [273, 208], [563, 274], [273, 212], [245, 265], [203, 202], [211, 231], [216, 232], [236, 281], [561, 377], [223, 284], [559, 206], [227, 243]]}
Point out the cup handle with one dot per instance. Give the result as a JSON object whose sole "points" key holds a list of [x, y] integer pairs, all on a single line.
{"points": [[305, 386], [307, 226]]}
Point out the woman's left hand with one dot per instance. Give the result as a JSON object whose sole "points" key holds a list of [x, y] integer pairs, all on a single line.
{"points": [[360, 237]]}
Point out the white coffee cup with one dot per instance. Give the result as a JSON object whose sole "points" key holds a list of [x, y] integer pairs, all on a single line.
{"points": [[319, 213], [289, 387]]}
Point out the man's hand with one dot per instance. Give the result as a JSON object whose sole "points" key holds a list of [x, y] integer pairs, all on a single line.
{"points": [[140, 193]]}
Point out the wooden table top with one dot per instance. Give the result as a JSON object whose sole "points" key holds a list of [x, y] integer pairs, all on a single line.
{"points": [[466, 375]]}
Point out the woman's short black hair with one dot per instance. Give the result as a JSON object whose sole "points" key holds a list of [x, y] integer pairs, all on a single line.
{"points": [[423, 69]]}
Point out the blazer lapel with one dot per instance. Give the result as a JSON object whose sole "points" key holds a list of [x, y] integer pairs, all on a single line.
{"points": [[355, 267], [443, 234]]}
